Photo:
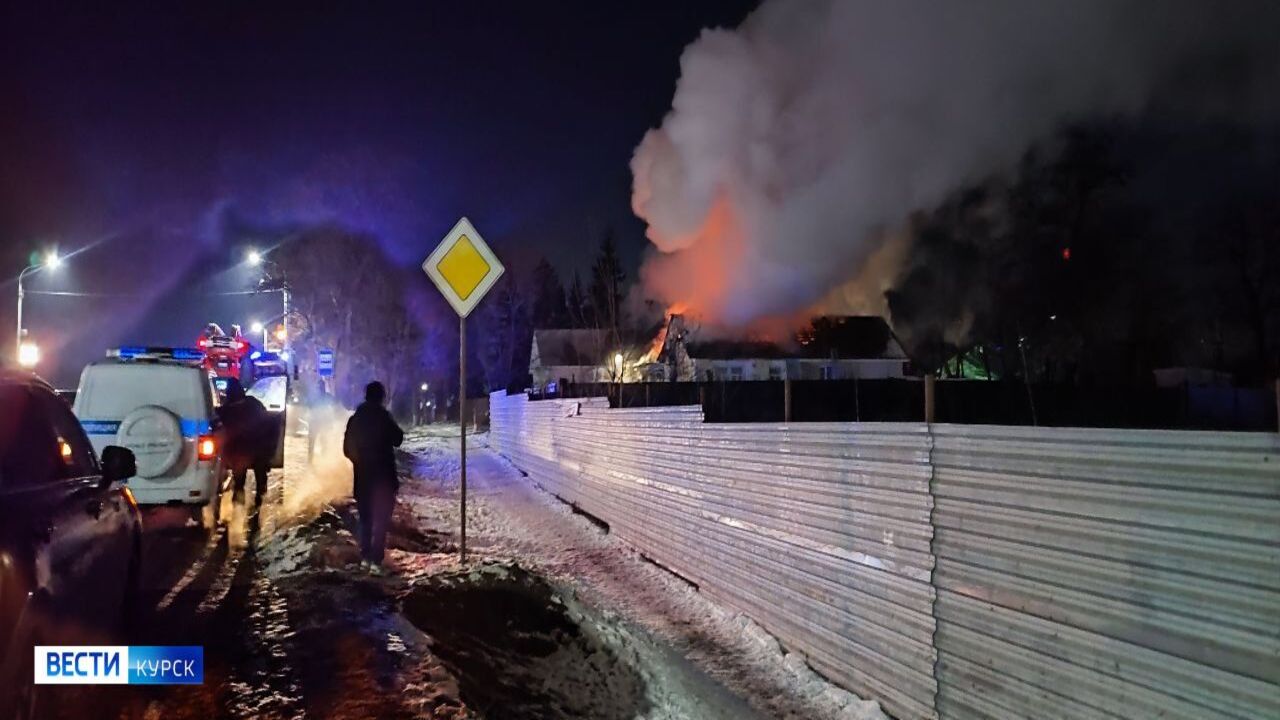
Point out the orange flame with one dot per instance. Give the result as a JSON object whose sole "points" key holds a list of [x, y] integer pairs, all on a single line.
{"points": [[660, 340], [699, 274]]}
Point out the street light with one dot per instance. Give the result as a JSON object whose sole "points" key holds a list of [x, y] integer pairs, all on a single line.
{"points": [[52, 262], [254, 258], [28, 355], [424, 387], [258, 327]]}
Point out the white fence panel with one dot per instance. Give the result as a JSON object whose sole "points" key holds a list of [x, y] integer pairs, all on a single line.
{"points": [[819, 533], [1079, 573], [1107, 573]]}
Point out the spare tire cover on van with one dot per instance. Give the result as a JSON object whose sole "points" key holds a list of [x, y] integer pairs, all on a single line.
{"points": [[155, 436]]}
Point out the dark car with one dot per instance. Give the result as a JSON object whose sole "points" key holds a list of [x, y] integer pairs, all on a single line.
{"points": [[70, 536]]}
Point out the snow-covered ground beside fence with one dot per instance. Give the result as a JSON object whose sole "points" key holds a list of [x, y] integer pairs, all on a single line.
{"points": [[697, 659]]}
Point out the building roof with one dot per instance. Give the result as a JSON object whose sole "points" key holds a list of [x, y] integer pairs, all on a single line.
{"points": [[840, 337], [571, 347], [850, 337]]}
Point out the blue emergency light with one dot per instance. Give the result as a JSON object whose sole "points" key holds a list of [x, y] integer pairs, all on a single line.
{"points": [[130, 352]]}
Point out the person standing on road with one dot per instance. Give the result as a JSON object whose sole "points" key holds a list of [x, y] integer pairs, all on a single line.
{"points": [[249, 439], [370, 442]]}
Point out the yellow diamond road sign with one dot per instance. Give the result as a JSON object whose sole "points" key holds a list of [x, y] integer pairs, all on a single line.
{"points": [[463, 267]]}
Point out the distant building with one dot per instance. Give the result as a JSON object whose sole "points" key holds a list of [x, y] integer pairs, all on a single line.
{"points": [[569, 356], [833, 348]]}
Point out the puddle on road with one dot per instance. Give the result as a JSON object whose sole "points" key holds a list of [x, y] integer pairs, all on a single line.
{"points": [[518, 651]]}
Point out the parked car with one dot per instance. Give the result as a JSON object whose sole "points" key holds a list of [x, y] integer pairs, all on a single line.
{"points": [[70, 536], [159, 403]]}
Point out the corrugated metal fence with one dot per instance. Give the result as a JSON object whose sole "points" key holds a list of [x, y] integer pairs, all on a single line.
{"points": [[1078, 573]]}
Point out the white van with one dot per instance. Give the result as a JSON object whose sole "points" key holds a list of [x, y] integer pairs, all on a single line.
{"points": [[165, 411]]}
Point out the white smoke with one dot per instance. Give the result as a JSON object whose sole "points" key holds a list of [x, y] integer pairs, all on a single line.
{"points": [[327, 475], [800, 140]]}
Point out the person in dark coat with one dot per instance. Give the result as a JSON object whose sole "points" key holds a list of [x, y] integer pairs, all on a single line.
{"points": [[249, 439], [370, 442]]}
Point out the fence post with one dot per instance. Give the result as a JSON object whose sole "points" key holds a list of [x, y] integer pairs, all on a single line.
{"points": [[786, 399], [646, 394], [930, 403]]}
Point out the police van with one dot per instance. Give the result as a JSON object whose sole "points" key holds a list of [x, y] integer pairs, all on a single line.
{"points": [[160, 403]]}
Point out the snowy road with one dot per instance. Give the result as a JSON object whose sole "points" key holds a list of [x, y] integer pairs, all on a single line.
{"points": [[551, 617]]}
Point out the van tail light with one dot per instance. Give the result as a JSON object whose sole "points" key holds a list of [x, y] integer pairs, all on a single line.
{"points": [[206, 447]]}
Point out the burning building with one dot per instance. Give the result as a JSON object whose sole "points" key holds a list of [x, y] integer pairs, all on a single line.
{"points": [[830, 348], [571, 356]]}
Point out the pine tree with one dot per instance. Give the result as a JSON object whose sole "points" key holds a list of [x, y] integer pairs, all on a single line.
{"points": [[550, 309], [607, 279], [576, 303]]}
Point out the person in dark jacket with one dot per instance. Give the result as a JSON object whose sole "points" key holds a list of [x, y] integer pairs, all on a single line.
{"points": [[370, 442], [249, 439]]}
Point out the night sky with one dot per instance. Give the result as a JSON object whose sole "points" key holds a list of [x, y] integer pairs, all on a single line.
{"points": [[151, 133]]}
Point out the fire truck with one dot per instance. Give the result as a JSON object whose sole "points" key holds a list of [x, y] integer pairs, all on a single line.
{"points": [[264, 373], [223, 354]]}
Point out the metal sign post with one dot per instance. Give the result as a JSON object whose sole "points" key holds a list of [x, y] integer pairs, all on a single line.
{"points": [[463, 268], [462, 426]]}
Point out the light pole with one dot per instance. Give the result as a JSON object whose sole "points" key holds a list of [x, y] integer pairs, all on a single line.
{"points": [[618, 370], [284, 321], [51, 261], [254, 258]]}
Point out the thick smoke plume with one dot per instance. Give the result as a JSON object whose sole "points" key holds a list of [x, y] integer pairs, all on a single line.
{"points": [[801, 141]]}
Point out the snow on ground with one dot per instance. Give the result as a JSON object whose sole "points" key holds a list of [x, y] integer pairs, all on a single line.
{"points": [[697, 659]]}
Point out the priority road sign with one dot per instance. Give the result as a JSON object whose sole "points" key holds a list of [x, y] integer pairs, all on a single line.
{"points": [[463, 267]]}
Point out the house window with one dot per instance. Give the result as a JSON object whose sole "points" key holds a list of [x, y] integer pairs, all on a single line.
{"points": [[735, 374], [828, 372], [775, 372]]}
